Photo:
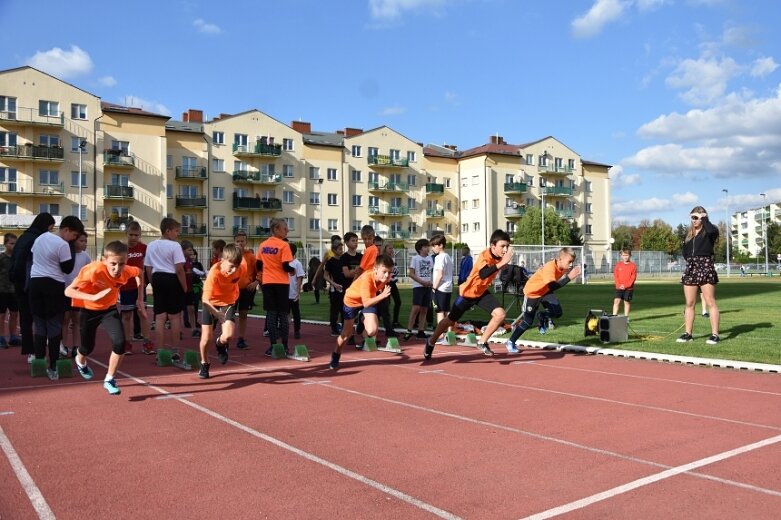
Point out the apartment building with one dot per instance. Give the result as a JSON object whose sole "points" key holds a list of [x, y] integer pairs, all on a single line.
{"points": [[748, 229], [238, 171]]}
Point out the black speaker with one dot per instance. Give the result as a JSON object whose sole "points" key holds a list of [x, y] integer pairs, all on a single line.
{"points": [[613, 329]]}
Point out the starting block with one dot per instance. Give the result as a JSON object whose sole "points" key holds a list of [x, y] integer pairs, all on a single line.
{"points": [[192, 358], [450, 338], [370, 345], [38, 368], [278, 351], [165, 357], [471, 340], [64, 368], [301, 353], [178, 362], [392, 346]]}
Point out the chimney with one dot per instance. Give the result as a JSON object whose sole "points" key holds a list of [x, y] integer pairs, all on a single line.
{"points": [[302, 127], [450, 147], [185, 117], [340, 132], [193, 116], [349, 132], [497, 139]]}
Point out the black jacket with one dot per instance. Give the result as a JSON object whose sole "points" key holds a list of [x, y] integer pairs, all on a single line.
{"points": [[703, 242], [22, 258]]}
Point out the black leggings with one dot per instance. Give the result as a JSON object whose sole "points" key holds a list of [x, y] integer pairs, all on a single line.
{"points": [[111, 321], [396, 297]]}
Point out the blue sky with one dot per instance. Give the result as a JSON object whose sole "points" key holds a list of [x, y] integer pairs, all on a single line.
{"points": [[683, 97]]}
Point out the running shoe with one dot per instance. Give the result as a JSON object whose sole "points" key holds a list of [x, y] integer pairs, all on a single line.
{"points": [[149, 348], [421, 335], [204, 373], [53, 374], [542, 330], [196, 333], [138, 337], [111, 387], [269, 351], [128, 348], [334, 360], [706, 314], [85, 371], [222, 352], [511, 348], [3, 342], [64, 352], [486, 349], [685, 338], [241, 344], [428, 350], [713, 340]]}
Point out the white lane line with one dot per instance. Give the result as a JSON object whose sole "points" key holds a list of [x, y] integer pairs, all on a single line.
{"points": [[27, 482], [6, 413], [441, 513], [645, 481]]}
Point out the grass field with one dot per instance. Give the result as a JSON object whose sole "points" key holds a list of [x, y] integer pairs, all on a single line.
{"points": [[750, 316]]}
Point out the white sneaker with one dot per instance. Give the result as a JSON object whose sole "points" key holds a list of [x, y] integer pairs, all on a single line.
{"points": [[53, 374], [511, 348], [30, 359], [64, 352], [441, 341]]}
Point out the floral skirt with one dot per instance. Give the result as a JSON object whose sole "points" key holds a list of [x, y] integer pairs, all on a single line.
{"points": [[700, 271]]}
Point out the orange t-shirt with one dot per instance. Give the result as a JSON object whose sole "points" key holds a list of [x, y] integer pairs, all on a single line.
{"points": [[474, 286], [369, 258], [220, 290], [273, 252], [94, 277], [248, 260], [537, 285], [364, 288]]}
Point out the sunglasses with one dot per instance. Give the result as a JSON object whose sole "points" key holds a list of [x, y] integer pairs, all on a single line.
{"points": [[695, 217]]}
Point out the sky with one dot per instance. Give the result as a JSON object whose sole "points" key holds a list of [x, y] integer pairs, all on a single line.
{"points": [[681, 97]]}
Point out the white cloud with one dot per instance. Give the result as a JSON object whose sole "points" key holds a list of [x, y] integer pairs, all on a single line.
{"points": [[619, 178], [704, 79], [206, 28], [393, 9], [107, 81], [739, 36], [650, 5], [763, 66], [392, 111], [61, 63], [145, 104], [451, 98], [600, 14]]}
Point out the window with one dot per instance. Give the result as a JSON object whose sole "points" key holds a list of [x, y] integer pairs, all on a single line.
{"points": [[412, 180], [510, 227], [509, 178], [314, 172], [169, 161], [465, 228], [288, 197], [268, 169], [476, 226], [48, 108], [48, 177], [356, 150], [357, 200], [218, 193], [412, 157], [395, 154], [588, 207], [449, 229], [8, 179], [333, 224], [49, 140], [449, 205], [7, 139], [530, 159], [240, 139], [587, 187], [373, 152], [464, 182], [75, 179], [588, 229], [356, 227], [287, 171], [121, 145], [287, 145], [464, 204], [530, 181], [543, 160], [331, 174], [571, 164], [218, 221], [291, 223], [412, 204], [116, 180], [332, 199], [75, 142], [447, 183], [169, 191], [240, 222], [78, 111], [189, 163], [218, 138], [54, 209], [75, 211], [374, 201], [314, 224], [240, 166], [314, 197], [218, 165], [8, 106], [508, 203], [188, 192], [356, 175], [7, 208], [189, 221], [374, 177], [475, 203], [413, 227], [475, 180]]}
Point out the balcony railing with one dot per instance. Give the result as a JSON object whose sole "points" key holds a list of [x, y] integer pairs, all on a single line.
{"points": [[258, 149], [389, 186], [194, 230], [196, 172], [257, 177], [31, 116], [565, 213], [515, 187], [253, 231], [387, 161], [435, 213], [432, 187], [27, 188], [388, 211], [256, 204], [550, 168], [36, 152], [558, 191], [190, 202], [391, 234], [114, 191], [513, 212], [115, 222], [118, 159]]}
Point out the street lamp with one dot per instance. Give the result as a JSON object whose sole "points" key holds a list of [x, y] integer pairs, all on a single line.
{"points": [[729, 226], [82, 146], [542, 204], [764, 229], [320, 182]]}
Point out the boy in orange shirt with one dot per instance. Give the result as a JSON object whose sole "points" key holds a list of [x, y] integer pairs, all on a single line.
{"points": [[539, 291], [364, 294], [273, 262], [625, 275], [474, 291], [220, 292], [248, 285], [96, 290]]}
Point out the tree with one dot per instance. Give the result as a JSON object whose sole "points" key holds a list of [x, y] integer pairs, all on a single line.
{"points": [[575, 236], [557, 230], [773, 240], [622, 237], [659, 236]]}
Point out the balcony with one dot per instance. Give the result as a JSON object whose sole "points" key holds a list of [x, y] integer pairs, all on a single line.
{"points": [[115, 191], [194, 173], [117, 223], [118, 159], [31, 117], [557, 191], [258, 204], [511, 212], [435, 213], [253, 231], [193, 231], [565, 213], [190, 202], [259, 149], [389, 187], [394, 234], [515, 188], [558, 170], [434, 232], [28, 188], [388, 211], [434, 188], [386, 161], [35, 152], [245, 177]]}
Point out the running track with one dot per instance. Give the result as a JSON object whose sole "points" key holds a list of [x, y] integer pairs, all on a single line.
{"points": [[542, 435]]}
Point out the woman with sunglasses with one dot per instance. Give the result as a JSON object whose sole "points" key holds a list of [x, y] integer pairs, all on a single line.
{"points": [[700, 273]]}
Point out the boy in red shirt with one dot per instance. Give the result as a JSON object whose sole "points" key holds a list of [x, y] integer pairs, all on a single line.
{"points": [[220, 293], [136, 251], [625, 275], [96, 290], [364, 294], [539, 290]]}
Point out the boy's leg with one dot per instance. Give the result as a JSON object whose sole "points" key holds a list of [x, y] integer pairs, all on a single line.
{"points": [[530, 306], [295, 310], [617, 304], [347, 332], [371, 324], [242, 327], [413, 319], [88, 326], [112, 323], [176, 327], [627, 306], [13, 323], [206, 339], [228, 330]]}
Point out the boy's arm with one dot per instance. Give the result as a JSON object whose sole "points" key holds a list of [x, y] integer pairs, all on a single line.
{"points": [[565, 279], [73, 292], [436, 280], [372, 301], [181, 276], [141, 302]]}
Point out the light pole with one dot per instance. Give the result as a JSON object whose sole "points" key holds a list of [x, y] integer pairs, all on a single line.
{"points": [[320, 182], [82, 145], [729, 226], [542, 204], [764, 229]]}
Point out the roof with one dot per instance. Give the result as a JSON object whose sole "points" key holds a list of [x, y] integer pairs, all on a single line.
{"points": [[184, 126], [594, 163], [324, 139], [47, 74], [490, 148], [120, 109]]}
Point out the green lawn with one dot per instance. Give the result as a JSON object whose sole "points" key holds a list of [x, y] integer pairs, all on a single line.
{"points": [[750, 313]]}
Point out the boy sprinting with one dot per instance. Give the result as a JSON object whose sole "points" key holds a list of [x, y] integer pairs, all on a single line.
{"points": [[474, 291], [363, 295], [8, 303], [625, 275], [539, 291], [95, 290], [420, 270], [220, 293], [248, 286]]}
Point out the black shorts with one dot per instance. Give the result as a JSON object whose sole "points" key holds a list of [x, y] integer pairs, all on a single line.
{"points": [[275, 297], [487, 302], [191, 299], [246, 299], [208, 319], [624, 294], [442, 301], [168, 293], [8, 302], [128, 299], [421, 296]]}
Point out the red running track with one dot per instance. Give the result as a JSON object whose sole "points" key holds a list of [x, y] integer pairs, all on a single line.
{"points": [[537, 435]]}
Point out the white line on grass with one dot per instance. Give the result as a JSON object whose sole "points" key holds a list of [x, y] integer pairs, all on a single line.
{"points": [[28, 484], [645, 481]]}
